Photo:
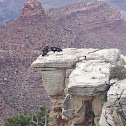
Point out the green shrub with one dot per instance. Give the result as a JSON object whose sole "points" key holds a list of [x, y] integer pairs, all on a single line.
{"points": [[19, 120], [93, 77], [38, 119], [118, 72]]}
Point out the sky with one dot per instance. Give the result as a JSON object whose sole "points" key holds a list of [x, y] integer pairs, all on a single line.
{"points": [[1, 0]]}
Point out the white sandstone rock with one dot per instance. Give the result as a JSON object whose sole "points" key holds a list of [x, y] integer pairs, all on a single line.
{"points": [[78, 86], [124, 58], [106, 119], [89, 78], [114, 111], [117, 91], [108, 55], [64, 59], [53, 81]]}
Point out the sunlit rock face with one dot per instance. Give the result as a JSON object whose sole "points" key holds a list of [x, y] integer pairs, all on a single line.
{"points": [[77, 81], [114, 110]]}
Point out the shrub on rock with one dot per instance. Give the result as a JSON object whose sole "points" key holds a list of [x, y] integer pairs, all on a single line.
{"points": [[118, 72]]}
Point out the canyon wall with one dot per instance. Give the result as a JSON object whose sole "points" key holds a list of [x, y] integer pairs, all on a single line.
{"points": [[79, 86], [80, 25]]}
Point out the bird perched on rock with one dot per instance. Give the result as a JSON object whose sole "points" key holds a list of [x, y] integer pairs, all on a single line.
{"points": [[45, 50], [54, 49]]}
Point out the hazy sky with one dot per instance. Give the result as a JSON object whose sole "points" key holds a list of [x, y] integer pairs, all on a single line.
{"points": [[1, 0]]}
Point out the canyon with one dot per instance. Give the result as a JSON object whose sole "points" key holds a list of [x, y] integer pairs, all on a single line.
{"points": [[81, 25], [10, 10]]}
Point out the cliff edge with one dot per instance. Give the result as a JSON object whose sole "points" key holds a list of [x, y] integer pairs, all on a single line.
{"points": [[85, 25], [80, 87]]}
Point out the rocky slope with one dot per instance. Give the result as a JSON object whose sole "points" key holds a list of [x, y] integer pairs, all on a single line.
{"points": [[81, 90], [90, 22], [19, 92], [120, 4], [93, 24], [10, 10]]}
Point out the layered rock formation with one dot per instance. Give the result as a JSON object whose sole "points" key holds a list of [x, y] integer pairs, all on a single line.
{"points": [[78, 84], [91, 25], [85, 25], [10, 10], [114, 110], [32, 10]]}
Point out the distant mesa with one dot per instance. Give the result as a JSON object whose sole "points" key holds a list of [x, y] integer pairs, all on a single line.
{"points": [[32, 10]]}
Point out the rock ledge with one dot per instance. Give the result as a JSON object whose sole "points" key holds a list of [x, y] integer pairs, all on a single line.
{"points": [[79, 87]]}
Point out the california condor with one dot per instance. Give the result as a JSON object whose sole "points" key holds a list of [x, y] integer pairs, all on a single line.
{"points": [[54, 49], [45, 50]]}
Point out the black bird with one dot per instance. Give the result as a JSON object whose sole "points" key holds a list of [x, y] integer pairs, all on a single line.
{"points": [[54, 49], [45, 50]]}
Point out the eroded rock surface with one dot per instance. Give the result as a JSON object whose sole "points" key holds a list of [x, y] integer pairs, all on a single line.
{"points": [[86, 25], [89, 78], [77, 81], [114, 111], [32, 10]]}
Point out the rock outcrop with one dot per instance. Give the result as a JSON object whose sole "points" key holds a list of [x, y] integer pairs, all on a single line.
{"points": [[21, 42], [78, 84], [114, 110], [32, 10]]}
